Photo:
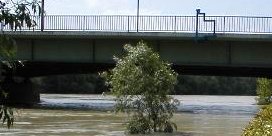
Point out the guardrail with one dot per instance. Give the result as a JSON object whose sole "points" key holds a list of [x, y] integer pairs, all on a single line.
{"points": [[120, 23]]}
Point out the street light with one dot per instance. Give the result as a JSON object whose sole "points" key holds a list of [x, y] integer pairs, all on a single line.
{"points": [[42, 16], [138, 6]]}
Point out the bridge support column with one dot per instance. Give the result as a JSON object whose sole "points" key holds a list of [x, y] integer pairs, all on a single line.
{"points": [[21, 93]]}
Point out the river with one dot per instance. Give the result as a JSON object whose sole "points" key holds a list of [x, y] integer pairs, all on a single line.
{"points": [[90, 115]]}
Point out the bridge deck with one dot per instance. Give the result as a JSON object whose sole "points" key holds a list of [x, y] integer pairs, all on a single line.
{"points": [[137, 35]]}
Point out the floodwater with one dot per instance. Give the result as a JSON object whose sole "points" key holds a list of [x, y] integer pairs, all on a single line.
{"points": [[90, 115]]}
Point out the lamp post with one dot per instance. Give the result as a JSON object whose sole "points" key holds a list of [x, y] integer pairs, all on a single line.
{"points": [[197, 15], [42, 16], [138, 6]]}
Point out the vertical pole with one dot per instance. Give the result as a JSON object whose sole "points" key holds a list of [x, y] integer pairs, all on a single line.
{"points": [[42, 16], [128, 23], [224, 25], [197, 12], [214, 27], [175, 24], [84, 20], [138, 6]]}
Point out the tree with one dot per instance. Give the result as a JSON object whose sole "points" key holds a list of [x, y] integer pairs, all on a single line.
{"points": [[18, 13], [264, 90], [141, 82], [14, 14]]}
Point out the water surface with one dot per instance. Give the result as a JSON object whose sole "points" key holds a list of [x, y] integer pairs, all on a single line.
{"points": [[75, 116]]}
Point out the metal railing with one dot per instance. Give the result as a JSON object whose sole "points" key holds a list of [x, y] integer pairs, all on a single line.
{"points": [[118, 23]]}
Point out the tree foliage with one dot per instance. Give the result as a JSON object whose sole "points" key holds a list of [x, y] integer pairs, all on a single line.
{"points": [[264, 91], [261, 125], [15, 14], [141, 82]]}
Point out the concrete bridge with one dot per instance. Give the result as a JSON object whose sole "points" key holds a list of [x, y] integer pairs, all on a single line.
{"points": [[64, 49], [60, 52], [205, 45]]}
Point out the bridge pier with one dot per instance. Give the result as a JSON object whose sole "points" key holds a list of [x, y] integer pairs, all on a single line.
{"points": [[22, 93]]}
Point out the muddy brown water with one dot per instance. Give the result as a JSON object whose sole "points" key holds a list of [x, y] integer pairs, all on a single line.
{"points": [[90, 115]]}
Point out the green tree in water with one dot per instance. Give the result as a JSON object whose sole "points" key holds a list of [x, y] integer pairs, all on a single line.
{"points": [[15, 14], [141, 82], [264, 91]]}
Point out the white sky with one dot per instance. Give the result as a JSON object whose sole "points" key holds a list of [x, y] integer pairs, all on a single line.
{"points": [[159, 7]]}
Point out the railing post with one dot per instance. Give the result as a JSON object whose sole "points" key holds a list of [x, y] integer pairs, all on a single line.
{"points": [[175, 24], [128, 23], [84, 19], [137, 27], [249, 24], [214, 27], [224, 25]]}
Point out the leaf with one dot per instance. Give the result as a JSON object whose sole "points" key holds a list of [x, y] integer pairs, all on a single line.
{"points": [[11, 120], [175, 126], [34, 7], [40, 10], [8, 123], [4, 119], [1, 114]]}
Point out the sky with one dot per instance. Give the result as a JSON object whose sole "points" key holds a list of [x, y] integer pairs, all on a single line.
{"points": [[159, 7]]}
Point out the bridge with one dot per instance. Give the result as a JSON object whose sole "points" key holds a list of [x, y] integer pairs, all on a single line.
{"points": [[230, 46], [227, 46], [47, 53]]}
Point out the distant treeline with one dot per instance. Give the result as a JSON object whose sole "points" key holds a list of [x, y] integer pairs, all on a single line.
{"points": [[216, 85], [188, 85], [71, 84]]}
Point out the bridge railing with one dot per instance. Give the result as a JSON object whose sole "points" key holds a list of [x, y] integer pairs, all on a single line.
{"points": [[121, 23]]}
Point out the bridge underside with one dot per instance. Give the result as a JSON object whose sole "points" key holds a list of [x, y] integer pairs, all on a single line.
{"points": [[37, 69]]}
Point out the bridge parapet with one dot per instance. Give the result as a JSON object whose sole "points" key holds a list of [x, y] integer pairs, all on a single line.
{"points": [[122, 23]]}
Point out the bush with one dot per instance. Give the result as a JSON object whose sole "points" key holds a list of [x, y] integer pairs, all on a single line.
{"points": [[142, 82], [139, 125], [261, 125], [264, 91]]}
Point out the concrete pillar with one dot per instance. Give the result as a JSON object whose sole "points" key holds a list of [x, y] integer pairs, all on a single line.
{"points": [[21, 92]]}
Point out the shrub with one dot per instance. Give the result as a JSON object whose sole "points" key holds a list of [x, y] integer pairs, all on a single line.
{"points": [[261, 125], [264, 91], [141, 82], [139, 124]]}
